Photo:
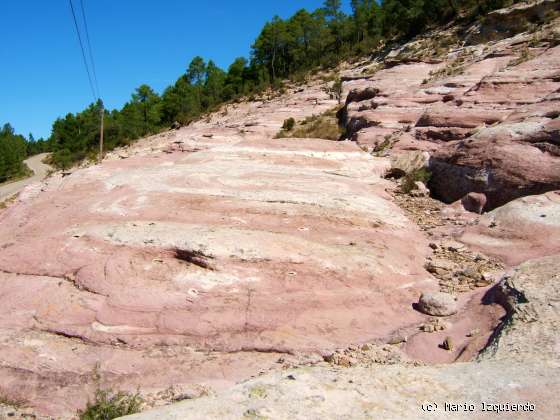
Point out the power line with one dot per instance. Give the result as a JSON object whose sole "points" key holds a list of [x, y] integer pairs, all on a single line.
{"points": [[83, 52], [90, 49], [96, 97]]}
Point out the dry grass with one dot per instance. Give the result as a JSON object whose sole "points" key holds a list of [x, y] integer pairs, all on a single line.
{"points": [[453, 68], [524, 55], [7, 202], [324, 126], [11, 402]]}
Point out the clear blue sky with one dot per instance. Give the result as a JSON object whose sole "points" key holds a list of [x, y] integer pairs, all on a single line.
{"points": [[42, 76]]}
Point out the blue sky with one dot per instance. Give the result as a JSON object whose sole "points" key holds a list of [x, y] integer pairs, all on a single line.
{"points": [[42, 76]]}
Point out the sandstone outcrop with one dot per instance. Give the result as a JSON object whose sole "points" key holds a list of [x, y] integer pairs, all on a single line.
{"points": [[263, 277], [202, 258], [523, 229], [486, 113], [520, 366]]}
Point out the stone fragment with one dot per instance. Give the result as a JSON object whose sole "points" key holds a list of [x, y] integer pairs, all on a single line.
{"points": [[474, 202], [429, 328], [344, 361], [420, 190], [398, 339], [439, 265], [473, 333], [407, 162], [447, 344]]}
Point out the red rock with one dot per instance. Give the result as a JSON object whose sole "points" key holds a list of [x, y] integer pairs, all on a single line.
{"points": [[521, 230], [500, 162], [474, 202], [202, 267], [444, 115]]}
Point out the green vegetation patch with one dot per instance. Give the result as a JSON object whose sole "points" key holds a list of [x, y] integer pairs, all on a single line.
{"points": [[323, 126], [290, 48], [108, 405], [408, 182]]}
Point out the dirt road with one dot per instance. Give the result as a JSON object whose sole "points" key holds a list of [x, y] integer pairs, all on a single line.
{"points": [[39, 171]]}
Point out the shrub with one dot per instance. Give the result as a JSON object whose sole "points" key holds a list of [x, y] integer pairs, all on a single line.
{"points": [[288, 124], [408, 183], [335, 89], [109, 405], [524, 56], [62, 159], [324, 126]]}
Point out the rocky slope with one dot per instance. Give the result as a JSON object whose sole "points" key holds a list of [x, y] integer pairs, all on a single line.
{"points": [[488, 111], [201, 257], [205, 256]]}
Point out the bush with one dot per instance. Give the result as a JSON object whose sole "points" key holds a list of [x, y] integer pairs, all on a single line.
{"points": [[62, 159], [109, 405], [324, 126], [335, 89], [288, 124], [408, 183]]}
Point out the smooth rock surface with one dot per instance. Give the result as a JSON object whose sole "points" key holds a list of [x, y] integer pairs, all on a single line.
{"points": [[523, 229], [200, 256], [520, 366]]}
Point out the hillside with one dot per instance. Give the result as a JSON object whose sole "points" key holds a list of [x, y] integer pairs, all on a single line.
{"points": [[265, 277]]}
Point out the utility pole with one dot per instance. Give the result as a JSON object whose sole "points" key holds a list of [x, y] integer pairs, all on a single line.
{"points": [[101, 133]]}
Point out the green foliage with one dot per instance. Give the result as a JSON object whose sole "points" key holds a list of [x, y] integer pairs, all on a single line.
{"points": [[74, 135], [324, 126], [13, 150], [288, 124], [408, 182], [108, 405], [285, 49]]}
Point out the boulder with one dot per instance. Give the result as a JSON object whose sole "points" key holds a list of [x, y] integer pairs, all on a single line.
{"points": [[474, 202], [359, 95], [503, 162], [407, 162], [437, 304]]}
